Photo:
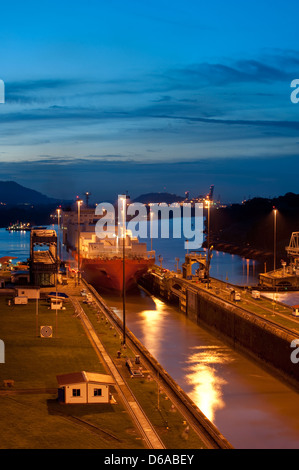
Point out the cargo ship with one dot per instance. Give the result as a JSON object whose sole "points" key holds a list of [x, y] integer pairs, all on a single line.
{"points": [[101, 260]]}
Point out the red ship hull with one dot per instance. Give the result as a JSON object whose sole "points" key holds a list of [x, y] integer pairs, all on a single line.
{"points": [[108, 273]]}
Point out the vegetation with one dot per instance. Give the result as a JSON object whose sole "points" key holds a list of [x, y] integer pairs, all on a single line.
{"points": [[252, 223], [167, 420], [35, 419]]}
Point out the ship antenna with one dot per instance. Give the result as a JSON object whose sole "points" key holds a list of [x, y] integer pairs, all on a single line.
{"points": [[87, 194]]}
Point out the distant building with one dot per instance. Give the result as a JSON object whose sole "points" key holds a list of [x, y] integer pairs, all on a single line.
{"points": [[84, 387]]}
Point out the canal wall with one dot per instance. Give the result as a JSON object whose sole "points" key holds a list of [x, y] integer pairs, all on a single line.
{"points": [[259, 338], [212, 433]]}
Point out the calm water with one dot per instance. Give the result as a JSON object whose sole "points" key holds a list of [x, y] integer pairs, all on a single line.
{"points": [[224, 266], [249, 406], [15, 244]]}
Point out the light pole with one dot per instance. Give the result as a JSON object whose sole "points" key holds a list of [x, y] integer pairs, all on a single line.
{"points": [[36, 316], [79, 202], [124, 270], [58, 223], [151, 230], [208, 203], [274, 260]]}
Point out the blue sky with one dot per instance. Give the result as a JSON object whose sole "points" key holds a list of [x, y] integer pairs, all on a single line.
{"points": [[150, 96]]}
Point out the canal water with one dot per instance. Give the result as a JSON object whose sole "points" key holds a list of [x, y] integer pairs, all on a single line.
{"points": [[250, 407]]}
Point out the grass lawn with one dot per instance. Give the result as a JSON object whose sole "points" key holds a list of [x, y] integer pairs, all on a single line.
{"points": [[32, 361], [167, 421], [37, 420]]}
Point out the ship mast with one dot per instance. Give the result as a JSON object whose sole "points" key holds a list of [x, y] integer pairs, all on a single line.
{"points": [[87, 195]]}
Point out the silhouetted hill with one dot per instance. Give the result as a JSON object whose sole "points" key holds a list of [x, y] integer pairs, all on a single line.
{"points": [[250, 226], [12, 193], [18, 203], [158, 197]]}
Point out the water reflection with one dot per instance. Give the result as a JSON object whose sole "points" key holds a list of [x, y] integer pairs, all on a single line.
{"points": [[151, 320], [251, 408], [202, 375]]}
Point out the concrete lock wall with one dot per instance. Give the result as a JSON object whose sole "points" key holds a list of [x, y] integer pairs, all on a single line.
{"points": [[265, 341], [261, 340]]}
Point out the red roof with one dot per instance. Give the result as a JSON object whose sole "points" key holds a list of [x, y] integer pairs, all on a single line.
{"points": [[79, 377]]}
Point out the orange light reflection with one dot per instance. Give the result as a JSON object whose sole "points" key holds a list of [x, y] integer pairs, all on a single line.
{"points": [[205, 380]]}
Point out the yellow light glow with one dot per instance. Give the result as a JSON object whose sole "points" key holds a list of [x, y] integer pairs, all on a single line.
{"points": [[207, 385]]}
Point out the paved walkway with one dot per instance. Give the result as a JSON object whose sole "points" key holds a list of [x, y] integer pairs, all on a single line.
{"points": [[265, 307], [143, 424]]}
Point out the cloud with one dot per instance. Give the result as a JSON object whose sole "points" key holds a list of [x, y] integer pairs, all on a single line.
{"points": [[268, 69], [223, 108], [233, 178]]}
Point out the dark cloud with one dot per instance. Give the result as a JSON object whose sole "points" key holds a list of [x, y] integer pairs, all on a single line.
{"points": [[233, 178]]}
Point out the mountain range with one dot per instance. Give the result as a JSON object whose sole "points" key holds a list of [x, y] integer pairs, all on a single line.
{"points": [[12, 193]]}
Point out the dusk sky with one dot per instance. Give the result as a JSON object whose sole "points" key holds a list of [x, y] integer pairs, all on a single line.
{"points": [[150, 96]]}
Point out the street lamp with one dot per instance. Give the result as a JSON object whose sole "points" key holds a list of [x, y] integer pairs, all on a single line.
{"points": [[274, 257], [208, 203], [79, 202], [58, 223], [124, 269], [151, 230]]}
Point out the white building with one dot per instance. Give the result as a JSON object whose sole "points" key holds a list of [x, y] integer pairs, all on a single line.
{"points": [[30, 292], [84, 387], [57, 303]]}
